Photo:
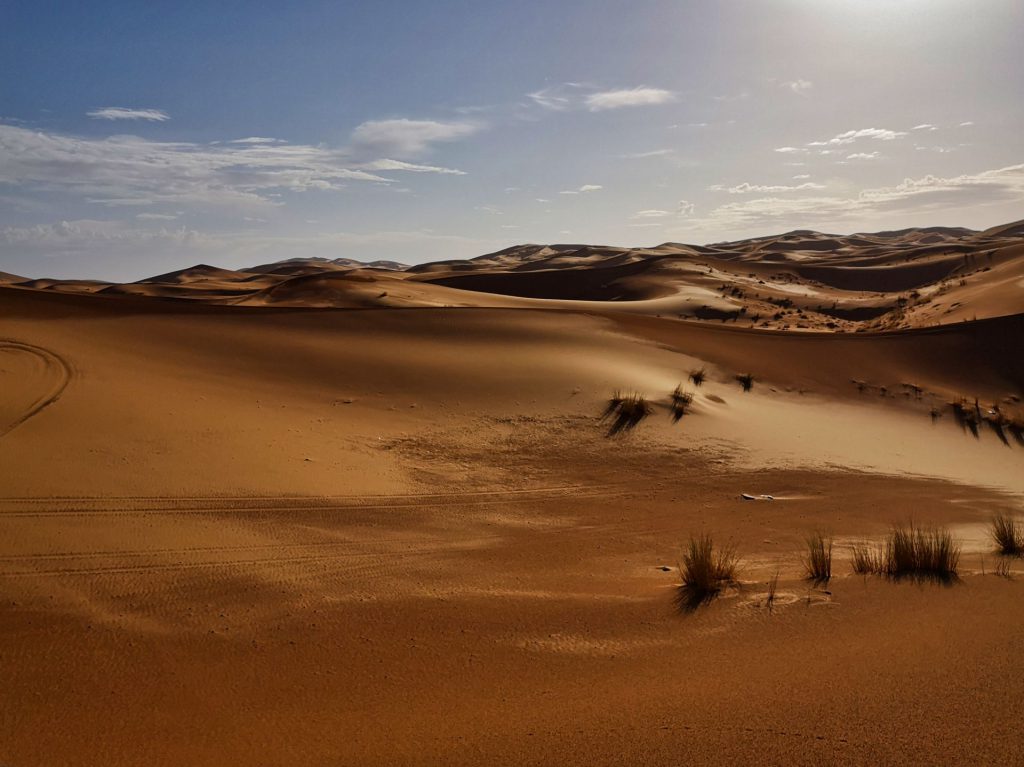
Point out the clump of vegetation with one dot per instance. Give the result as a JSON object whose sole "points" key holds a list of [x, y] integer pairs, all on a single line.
{"points": [[1008, 535], [680, 401], [911, 552], [705, 571], [966, 416], [746, 380], [818, 559], [698, 376], [773, 586], [625, 412]]}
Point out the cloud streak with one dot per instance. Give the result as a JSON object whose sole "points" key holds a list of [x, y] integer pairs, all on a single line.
{"points": [[126, 113], [128, 170]]}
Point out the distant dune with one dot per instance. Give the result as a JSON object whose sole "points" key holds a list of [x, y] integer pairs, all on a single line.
{"points": [[800, 280]]}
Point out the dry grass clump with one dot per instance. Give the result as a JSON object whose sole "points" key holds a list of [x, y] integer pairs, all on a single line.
{"points": [[705, 571], [773, 587], [967, 416], [818, 559], [746, 380], [1008, 535], [625, 412], [680, 401], [911, 552], [698, 376]]}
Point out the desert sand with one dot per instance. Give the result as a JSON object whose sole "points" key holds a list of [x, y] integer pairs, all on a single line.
{"points": [[332, 513]]}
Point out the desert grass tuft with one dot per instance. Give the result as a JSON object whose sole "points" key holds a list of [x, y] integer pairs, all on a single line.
{"points": [[818, 559], [911, 552], [746, 380], [1008, 535], [705, 571], [680, 401], [698, 376], [773, 587], [1003, 568], [625, 412]]}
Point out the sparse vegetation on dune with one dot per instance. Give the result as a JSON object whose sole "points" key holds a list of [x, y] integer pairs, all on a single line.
{"points": [[680, 401], [705, 571], [625, 412], [746, 380], [911, 552], [698, 376], [818, 559], [1008, 535]]}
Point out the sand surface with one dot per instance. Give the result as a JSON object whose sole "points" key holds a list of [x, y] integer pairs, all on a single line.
{"points": [[273, 517]]}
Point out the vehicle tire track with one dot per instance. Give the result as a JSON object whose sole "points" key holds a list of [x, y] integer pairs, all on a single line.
{"points": [[58, 368]]}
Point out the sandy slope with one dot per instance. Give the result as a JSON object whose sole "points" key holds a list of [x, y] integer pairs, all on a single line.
{"points": [[261, 535]]}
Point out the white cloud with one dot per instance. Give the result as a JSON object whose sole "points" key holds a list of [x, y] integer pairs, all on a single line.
{"points": [[850, 136], [862, 156], [125, 113], [746, 188], [651, 214], [404, 138], [155, 216], [802, 176], [128, 170], [790, 150], [257, 140], [386, 164], [799, 87], [583, 189], [925, 126], [923, 195], [966, 124], [686, 208], [628, 97], [645, 155]]}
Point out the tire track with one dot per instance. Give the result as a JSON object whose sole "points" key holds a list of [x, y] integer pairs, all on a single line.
{"points": [[376, 503], [54, 364]]}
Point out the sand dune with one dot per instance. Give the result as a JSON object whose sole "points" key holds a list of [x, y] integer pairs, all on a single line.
{"points": [[331, 513]]}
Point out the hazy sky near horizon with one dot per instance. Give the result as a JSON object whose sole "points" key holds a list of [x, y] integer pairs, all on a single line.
{"points": [[137, 138]]}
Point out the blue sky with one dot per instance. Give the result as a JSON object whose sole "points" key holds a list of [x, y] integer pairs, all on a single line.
{"points": [[138, 138]]}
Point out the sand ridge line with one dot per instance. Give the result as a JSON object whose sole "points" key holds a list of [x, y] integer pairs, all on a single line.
{"points": [[53, 363]]}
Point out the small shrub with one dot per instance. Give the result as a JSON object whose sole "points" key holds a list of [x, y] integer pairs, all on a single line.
{"points": [[746, 380], [625, 411], [680, 401], [1008, 535], [911, 552], [818, 559], [705, 571], [698, 376]]}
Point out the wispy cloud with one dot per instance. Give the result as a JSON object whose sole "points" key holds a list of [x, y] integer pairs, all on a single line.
{"points": [[923, 195], [651, 214], [628, 97], [583, 189], [126, 113], [406, 138], [128, 170], [645, 155], [863, 156], [387, 164], [850, 136], [799, 87], [925, 126], [746, 188]]}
